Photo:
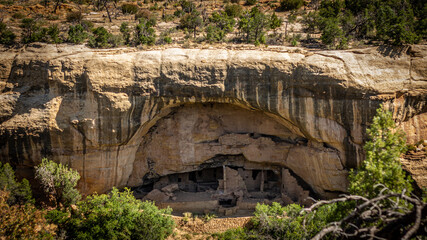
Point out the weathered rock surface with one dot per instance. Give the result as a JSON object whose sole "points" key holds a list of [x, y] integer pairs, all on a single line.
{"points": [[122, 116]]}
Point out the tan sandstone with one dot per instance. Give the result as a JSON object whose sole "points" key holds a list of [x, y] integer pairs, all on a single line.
{"points": [[122, 116]]}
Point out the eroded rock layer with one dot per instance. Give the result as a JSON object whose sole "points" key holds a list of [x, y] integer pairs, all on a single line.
{"points": [[122, 116]]}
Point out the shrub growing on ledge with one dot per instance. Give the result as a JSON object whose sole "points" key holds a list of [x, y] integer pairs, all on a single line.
{"points": [[6, 35], [100, 38], [117, 215], [77, 34], [144, 32], [58, 182], [253, 25]]}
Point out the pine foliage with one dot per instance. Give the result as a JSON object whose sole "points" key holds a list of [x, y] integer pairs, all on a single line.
{"points": [[382, 165]]}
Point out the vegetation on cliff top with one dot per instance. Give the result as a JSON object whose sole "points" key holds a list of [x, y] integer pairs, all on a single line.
{"points": [[334, 24]]}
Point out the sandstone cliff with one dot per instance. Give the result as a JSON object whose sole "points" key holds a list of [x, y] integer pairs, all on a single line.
{"points": [[121, 117]]}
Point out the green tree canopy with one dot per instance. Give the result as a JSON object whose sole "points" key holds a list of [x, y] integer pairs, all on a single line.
{"points": [[20, 192], [392, 21], [253, 25], [58, 182], [382, 165]]}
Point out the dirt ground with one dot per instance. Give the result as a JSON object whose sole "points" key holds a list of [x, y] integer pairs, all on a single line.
{"points": [[195, 228]]}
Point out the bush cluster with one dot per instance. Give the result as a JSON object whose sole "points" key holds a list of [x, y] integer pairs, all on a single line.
{"points": [[233, 10], [392, 21], [77, 34], [288, 5], [74, 17], [7, 37], [58, 182], [117, 215], [251, 2], [128, 8], [220, 23], [18, 192], [253, 25], [23, 221]]}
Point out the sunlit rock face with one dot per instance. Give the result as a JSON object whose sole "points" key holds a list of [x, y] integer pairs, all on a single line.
{"points": [[121, 116]]}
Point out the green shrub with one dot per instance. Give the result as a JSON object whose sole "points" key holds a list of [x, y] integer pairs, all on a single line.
{"points": [[52, 17], [168, 17], [144, 32], [7, 37], [214, 34], [251, 2], [53, 33], [23, 221], [178, 13], [287, 5], [147, 15], [125, 30], [87, 25], [155, 7], [310, 22], [233, 10], [253, 25], [187, 6], [18, 15], [220, 24], [100, 38], [19, 192], [382, 164], [332, 35], [388, 21], [191, 22], [117, 215], [167, 39], [31, 30], [58, 182], [7, 2], [232, 234], [275, 22], [74, 17], [77, 34], [128, 8], [290, 222]]}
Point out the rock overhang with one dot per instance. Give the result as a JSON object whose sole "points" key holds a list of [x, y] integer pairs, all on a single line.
{"points": [[94, 108]]}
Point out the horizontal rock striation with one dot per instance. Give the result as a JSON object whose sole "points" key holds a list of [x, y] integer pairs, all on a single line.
{"points": [[122, 117]]}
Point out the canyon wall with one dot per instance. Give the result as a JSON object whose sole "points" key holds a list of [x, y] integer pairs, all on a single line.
{"points": [[124, 116]]}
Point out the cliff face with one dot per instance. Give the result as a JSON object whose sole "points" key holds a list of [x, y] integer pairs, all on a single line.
{"points": [[122, 117]]}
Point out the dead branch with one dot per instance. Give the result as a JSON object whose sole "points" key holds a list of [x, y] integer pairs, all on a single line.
{"points": [[393, 220]]}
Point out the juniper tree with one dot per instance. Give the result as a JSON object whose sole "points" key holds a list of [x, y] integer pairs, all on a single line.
{"points": [[58, 182]]}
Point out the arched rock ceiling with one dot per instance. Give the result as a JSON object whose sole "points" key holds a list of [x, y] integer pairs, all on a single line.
{"points": [[92, 108]]}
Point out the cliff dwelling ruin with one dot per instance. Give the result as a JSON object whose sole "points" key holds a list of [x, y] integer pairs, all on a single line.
{"points": [[219, 158], [205, 128]]}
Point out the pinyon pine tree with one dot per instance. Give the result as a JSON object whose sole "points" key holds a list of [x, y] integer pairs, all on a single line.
{"points": [[382, 165]]}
